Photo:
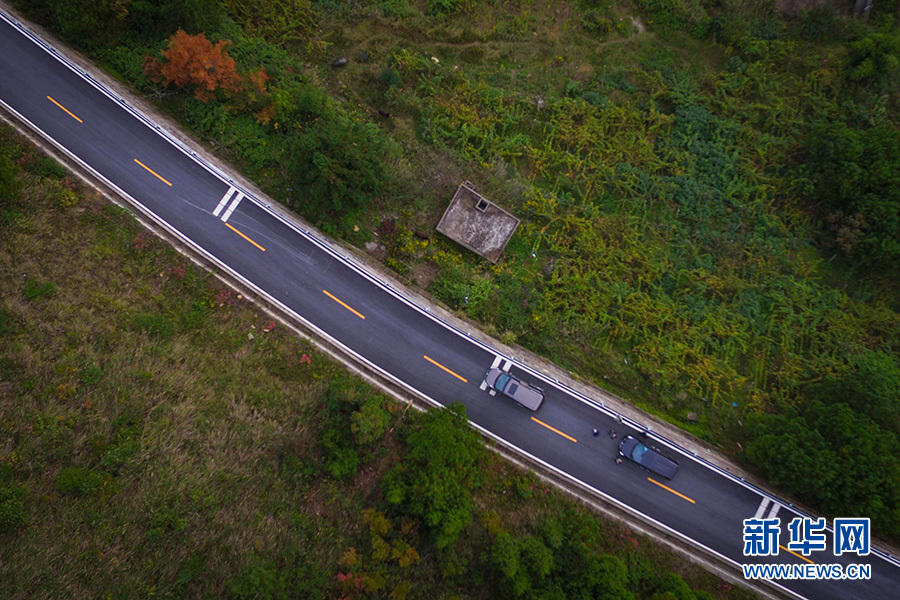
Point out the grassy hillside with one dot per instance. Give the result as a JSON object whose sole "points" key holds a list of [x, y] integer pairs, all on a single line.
{"points": [[708, 191], [160, 437]]}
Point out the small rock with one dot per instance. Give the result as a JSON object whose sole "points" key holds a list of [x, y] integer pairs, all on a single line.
{"points": [[250, 336], [541, 103], [340, 62], [371, 246], [692, 417]]}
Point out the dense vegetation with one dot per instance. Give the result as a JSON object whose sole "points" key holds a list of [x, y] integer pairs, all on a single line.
{"points": [[708, 190], [160, 437]]}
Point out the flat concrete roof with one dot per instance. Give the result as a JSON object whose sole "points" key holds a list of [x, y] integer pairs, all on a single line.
{"points": [[477, 223]]}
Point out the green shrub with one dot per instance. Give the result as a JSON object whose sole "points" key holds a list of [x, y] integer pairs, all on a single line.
{"points": [[165, 519], [340, 456], [596, 22], [447, 7], [156, 325], [12, 511], [818, 23], [398, 9], [80, 482], [34, 290], [126, 445], [90, 374], [278, 22], [875, 58], [295, 575], [675, 14], [44, 166], [390, 78], [343, 462]]}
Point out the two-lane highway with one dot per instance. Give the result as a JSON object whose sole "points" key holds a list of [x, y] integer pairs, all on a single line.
{"points": [[397, 339]]}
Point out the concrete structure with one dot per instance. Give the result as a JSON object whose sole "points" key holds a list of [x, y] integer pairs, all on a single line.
{"points": [[477, 223]]}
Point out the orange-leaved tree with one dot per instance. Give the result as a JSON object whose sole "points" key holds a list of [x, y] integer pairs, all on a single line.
{"points": [[192, 60]]}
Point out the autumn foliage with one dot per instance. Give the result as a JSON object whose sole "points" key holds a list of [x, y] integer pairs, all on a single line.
{"points": [[192, 60]]}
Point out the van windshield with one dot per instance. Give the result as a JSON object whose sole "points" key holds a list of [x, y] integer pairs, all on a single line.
{"points": [[501, 382], [638, 453]]}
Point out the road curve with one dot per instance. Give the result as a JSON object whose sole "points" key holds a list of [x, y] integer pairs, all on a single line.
{"points": [[350, 307]]}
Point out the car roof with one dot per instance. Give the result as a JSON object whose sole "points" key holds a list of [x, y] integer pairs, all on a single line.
{"points": [[658, 463], [653, 459], [525, 395]]}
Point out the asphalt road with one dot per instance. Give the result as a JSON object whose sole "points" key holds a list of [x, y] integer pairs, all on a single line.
{"points": [[700, 504]]}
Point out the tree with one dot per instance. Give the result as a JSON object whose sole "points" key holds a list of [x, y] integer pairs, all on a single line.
{"points": [[92, 22], [838, 461], [434, 481], [871, 387], [522, 564], [193, 61], [673, 587], [856, 181], [151, 21], [875, 58], [369, 423], [340, 163]]}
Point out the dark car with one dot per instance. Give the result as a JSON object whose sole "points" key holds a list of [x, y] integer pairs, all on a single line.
{"points": [[527, 395], [647, 457]]}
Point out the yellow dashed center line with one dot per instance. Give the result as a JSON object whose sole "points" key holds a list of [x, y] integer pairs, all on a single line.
{"points": [[161, 178], [357, 313], [228, 225], [800, 556], [65, 109], [667, 488], [439, 365], [554, 430]]}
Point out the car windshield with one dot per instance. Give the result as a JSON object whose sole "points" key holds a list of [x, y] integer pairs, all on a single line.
{"points": [[637, 454], [501, 381]]}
